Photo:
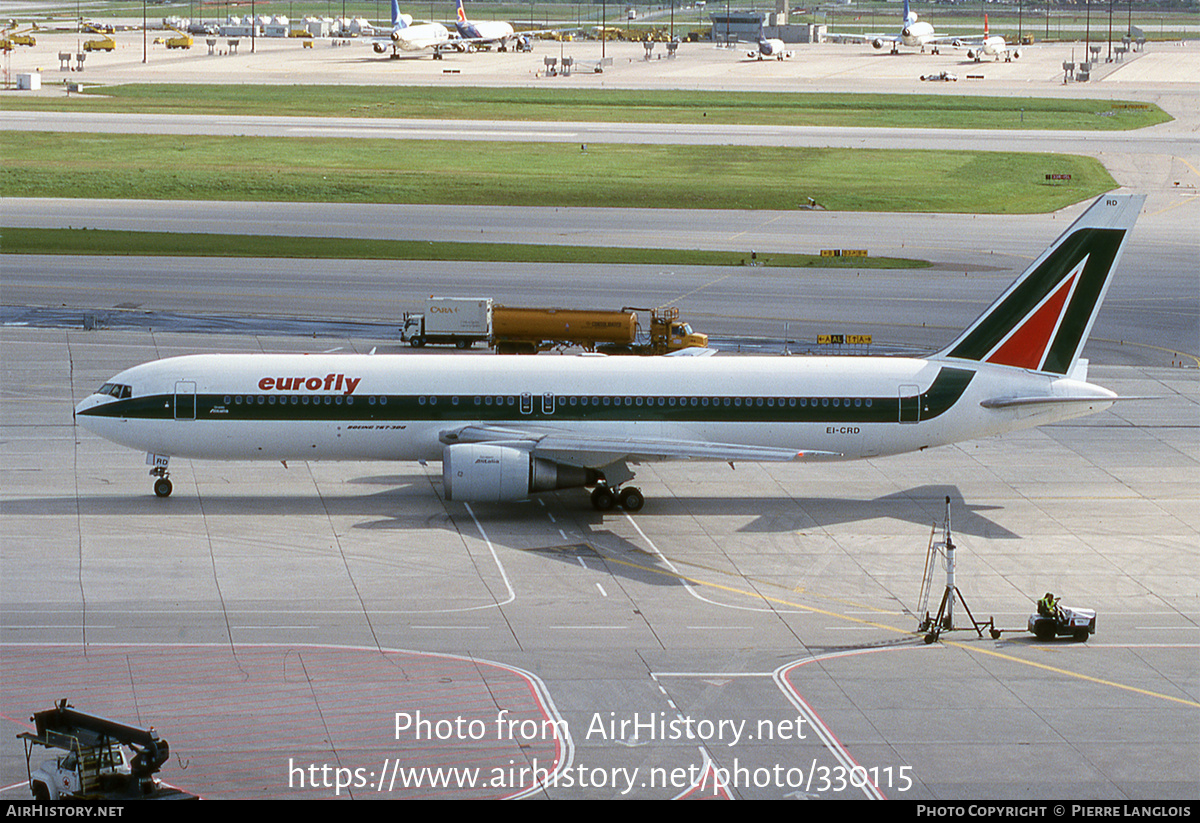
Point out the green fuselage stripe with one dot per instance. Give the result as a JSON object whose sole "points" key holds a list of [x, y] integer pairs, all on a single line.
{"points": [[944, 392]]}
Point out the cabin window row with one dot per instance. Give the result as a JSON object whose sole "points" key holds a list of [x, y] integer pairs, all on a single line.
{"points": [[482, 401], [668, 402], [300, 400]]}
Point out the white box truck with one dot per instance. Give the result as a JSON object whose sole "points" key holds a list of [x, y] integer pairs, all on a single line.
{"points": [[461, 321]]}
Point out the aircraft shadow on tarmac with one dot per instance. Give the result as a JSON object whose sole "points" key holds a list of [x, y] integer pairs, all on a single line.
{"points": [[922, 505], [405, 505]]}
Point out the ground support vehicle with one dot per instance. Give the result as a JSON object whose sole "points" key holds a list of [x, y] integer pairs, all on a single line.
{"points": [[1079, 624], [96, 765], [530, 330], [667, 334], [461, 322]]}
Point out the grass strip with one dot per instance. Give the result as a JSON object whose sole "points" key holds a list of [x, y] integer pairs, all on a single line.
{"points": [[546, 175], [614, 105], [170, 244]]}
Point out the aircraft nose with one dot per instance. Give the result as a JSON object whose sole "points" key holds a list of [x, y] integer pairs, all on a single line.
{"points": [[88, 403]]}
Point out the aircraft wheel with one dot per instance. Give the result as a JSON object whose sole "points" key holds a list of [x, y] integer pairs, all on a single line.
{"points": [[163, 487], [603, 499], [632, 499]]}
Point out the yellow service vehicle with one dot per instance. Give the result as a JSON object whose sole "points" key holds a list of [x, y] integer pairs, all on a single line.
{"points": [[181, 40], [17, 38], [105, 43]]}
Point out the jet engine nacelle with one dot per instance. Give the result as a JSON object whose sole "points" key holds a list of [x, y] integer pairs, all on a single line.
{"points": [[379, 49], [972, 54], [877, 43], [487, 473]]}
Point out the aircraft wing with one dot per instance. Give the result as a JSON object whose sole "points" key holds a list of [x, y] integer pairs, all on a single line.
{"points": [[867, 38], [591, 451]]}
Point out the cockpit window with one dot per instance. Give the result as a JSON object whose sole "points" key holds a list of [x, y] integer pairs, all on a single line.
{"points": [[117, 390]]}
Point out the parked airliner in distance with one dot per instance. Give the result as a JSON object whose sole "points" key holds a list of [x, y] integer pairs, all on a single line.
{"points": [[990, 45], [507, 427], [474, 33], [914, 33], [771, 47], [406, 36]]}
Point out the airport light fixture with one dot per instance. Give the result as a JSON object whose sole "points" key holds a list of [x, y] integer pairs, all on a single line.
{"points": [[1110, 11]]}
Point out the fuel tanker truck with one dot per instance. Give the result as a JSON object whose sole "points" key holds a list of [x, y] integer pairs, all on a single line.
{"points": [[516, 330]]}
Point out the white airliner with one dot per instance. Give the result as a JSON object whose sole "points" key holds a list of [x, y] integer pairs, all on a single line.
{"points": [[483, 32], [771, 47], [913, 33], [990, 45], [407, 37], [507, 427]]}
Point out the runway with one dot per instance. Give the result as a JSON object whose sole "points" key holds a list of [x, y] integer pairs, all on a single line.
{"points": [[973, 257], [327, 630], [1091, 143]]}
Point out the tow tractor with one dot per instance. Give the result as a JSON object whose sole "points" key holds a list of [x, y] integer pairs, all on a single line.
{"points": [[96, 765], [1054, 621]]}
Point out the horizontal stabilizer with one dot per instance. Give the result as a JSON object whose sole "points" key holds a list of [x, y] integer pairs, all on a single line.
{"points": [[1011, 402]]}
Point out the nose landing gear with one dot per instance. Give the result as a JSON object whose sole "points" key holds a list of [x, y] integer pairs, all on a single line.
{"points": [[162, 485]]}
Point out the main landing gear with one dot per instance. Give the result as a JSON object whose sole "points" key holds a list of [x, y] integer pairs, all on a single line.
{"points": [[606, 499]]}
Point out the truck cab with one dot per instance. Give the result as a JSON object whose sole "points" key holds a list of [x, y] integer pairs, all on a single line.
{"points": [[81, 772], [668, 333]]}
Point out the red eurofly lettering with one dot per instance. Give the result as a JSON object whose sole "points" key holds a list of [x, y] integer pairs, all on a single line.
{"points": [[330, 382]]}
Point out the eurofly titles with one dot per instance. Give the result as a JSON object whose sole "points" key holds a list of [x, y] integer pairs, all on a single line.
{"points": [[330, 382]]}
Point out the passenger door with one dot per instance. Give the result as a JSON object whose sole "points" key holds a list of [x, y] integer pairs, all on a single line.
{"points": [[185, 400]]}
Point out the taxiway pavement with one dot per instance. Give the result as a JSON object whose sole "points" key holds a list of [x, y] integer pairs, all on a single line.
{"points": [[750, 633]]}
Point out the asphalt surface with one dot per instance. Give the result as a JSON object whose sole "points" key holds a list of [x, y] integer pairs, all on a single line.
{"points": [[323, 630]]}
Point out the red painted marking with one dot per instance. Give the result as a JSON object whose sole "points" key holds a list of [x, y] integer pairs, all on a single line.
{"points": [[1029, 342]]}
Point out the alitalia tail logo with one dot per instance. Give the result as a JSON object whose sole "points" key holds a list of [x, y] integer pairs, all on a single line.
{"points": [[1029, 341], [330, 383]]}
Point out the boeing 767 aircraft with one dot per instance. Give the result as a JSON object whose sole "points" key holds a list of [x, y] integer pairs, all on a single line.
{"points": [[505, 428]]}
